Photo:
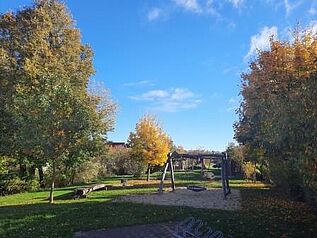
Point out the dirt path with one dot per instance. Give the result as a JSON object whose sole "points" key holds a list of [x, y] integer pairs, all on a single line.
{"points": [[209, 199]]}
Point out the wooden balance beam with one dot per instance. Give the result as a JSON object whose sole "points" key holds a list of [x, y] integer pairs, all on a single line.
{"points": [[82, 192]]}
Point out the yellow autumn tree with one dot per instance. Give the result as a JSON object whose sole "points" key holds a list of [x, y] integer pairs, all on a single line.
{"points": [[149, 143], [277, 116]]}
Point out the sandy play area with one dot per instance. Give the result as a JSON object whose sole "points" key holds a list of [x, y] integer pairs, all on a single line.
{"points": [[211, 198]]}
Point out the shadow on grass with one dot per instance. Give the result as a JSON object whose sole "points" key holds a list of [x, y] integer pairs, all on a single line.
{"points": [[265, 213], [65, 196], [62, 220]]}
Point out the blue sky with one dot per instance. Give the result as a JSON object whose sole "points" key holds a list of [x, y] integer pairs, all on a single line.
{"points": [[180, 59]]}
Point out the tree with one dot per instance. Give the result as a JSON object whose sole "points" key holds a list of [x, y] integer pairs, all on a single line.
{"points": [[45, 71], [278, 112], [149, 143], [243, 159]]}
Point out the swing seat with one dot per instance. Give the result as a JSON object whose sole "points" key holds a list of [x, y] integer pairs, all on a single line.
{"points": [[196, 188]]}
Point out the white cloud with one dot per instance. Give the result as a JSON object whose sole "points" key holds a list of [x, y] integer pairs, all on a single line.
{"points": [[275, 4], [139, 83], [189, 5], [153, 95], [154, 14], [174, 106], [289, 7], [236, 3], [261, 41], [181, 94], [312, 11], [211, 9], [312, 27], [170, 100]]}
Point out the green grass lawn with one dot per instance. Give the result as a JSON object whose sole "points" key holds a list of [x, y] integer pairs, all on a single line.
{"points": [[265, 213]]}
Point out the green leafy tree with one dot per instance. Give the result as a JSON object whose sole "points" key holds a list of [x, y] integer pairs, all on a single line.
{"points": [[45, 70]]}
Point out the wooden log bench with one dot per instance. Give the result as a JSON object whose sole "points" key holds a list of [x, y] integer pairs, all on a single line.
{"points": [[82, 192]]}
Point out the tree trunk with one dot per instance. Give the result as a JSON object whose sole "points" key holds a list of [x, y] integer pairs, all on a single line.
{"points": [[32, 171], [72, 177], [41, 176], [52, 184], [148, 172], [22, 170]]}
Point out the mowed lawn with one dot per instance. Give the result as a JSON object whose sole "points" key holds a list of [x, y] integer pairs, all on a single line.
{"points": [[266, 212]]}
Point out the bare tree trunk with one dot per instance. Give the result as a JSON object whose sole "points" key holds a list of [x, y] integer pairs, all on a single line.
{"points": [[52, 184], [148, 172]]}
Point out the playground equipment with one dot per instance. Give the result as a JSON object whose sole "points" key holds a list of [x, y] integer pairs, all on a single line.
{"points": [[215, 157], [196, 188], [195, 228]]}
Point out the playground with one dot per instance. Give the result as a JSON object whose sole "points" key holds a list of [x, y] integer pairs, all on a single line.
{"points": [[256, 209], [208, 199], [193, 195]]}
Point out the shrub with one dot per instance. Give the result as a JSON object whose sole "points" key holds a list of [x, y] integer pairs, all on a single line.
{"points": [[88, 171], [15, 185], [248, 169], [32, 185], [120, 161]]}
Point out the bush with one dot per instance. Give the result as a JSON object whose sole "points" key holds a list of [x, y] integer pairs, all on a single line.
{"points": [[248, 169], [15, 185], [32, 185], [120, 161], [88, 172]]}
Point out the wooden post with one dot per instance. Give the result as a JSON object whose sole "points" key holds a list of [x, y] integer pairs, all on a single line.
{"points": [[163, 176], [172, 173], [202, 165]]}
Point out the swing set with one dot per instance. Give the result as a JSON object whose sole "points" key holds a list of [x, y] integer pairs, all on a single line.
{"points": [[215, 157]]}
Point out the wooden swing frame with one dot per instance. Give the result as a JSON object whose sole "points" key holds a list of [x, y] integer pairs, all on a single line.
{"points": [[216, 157]]}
